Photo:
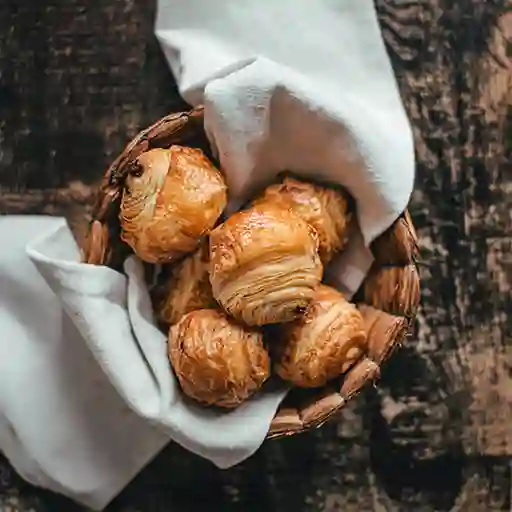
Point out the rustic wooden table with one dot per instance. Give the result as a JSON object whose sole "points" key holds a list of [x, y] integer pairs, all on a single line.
{"points": [[79, 78]]}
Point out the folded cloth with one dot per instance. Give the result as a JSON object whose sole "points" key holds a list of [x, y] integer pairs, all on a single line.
{"points": [[298, 85], [301, 86], [63, 426], [99, 399]]}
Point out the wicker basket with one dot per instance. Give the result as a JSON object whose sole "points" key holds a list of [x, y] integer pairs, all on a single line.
{"points": [[387, 300]]}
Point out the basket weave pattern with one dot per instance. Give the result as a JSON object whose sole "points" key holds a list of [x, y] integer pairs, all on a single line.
{"points": [[387, 300]]}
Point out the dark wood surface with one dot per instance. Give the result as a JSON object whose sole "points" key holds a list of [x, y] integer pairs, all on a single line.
{"points": [[79, 78]]}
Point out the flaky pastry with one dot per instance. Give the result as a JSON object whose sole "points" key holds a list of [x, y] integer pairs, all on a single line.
{"points": [[171, 198], [187, 288], [264, 265], [322, 344], [217, 360], [325, 208]]}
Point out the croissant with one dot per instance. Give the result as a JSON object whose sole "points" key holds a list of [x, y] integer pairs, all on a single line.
{"points": [[188, 287], [171, 198], [324, 208], [264, 265], [322, 344], [217, 360]]}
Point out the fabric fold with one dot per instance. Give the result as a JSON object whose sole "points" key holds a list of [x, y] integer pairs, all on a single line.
{"points": [[117, 325], [87, 395]]}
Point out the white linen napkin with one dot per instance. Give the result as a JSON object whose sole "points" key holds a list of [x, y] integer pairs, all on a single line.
{"points": [[86, 392], [299, 85], [62, 424]]}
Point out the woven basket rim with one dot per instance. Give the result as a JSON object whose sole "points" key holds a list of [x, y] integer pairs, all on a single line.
{"points": [[388, 299]]}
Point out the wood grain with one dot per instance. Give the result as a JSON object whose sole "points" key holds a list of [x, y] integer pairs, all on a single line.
{"points": [[80, 78]]}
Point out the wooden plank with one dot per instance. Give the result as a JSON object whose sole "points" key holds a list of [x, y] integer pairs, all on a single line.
{"points": [[79, 80]]}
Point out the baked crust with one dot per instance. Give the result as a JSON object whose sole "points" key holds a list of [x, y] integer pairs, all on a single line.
{"points": [[327, 209], [172, 197], [187, 288], [264, 265], [217, 360], [322, 344]]}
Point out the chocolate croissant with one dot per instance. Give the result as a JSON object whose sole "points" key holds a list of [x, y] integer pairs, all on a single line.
{"points": [[217, 360], [187, 288], [264, 265], [172, 197], [322, 344], [326, 209]]}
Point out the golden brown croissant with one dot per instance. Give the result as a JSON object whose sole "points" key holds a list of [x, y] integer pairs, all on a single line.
{"points": [[325, 208], [171, 198], [217, 360], [264, 265], [322, 344], [188, 287]]}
